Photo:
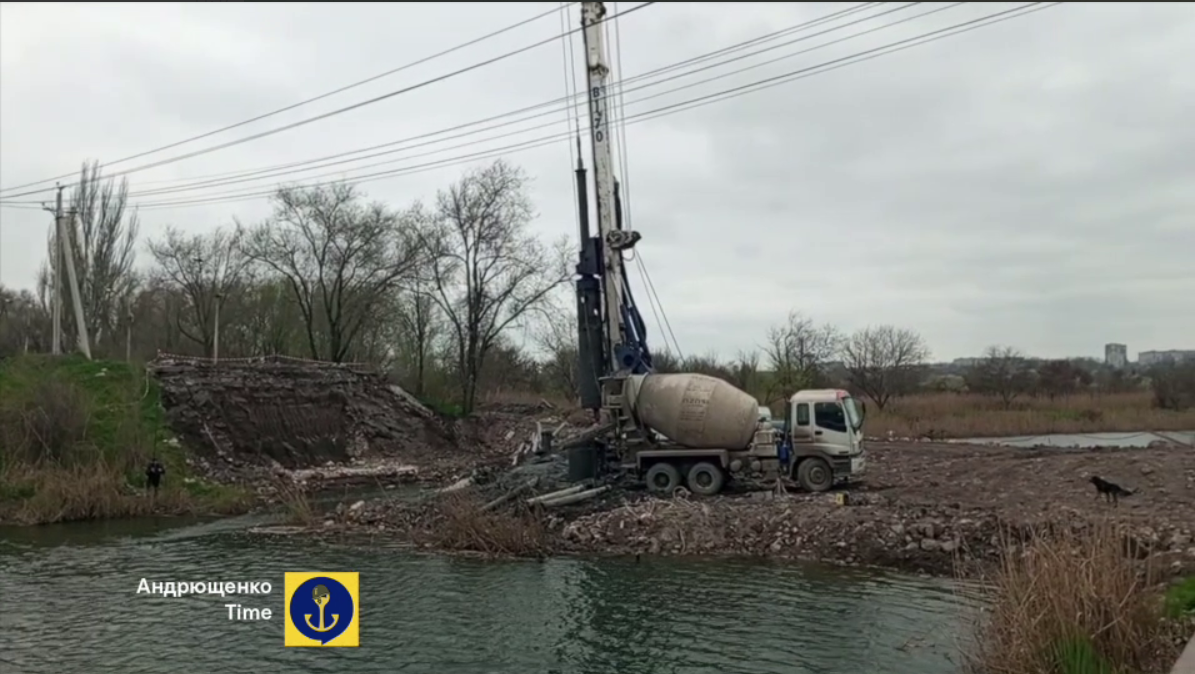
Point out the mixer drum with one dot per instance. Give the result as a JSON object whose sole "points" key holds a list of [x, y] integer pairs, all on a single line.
{"points": [[695, 410]]}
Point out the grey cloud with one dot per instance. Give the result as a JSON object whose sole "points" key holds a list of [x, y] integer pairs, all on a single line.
{"points": [[1026, 183]]}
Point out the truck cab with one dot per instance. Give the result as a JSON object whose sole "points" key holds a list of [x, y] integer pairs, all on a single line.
{"points": [[824, 431]]}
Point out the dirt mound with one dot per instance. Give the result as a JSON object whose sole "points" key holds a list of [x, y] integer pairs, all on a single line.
{"points": [[236, 415], [923, 507]]}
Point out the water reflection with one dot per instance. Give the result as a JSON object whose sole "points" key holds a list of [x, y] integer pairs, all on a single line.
{"points": [[71, 607]]}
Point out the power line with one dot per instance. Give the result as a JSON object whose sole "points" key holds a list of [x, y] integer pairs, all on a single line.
{"points": [[298, 167], [348, 108], [574, 101], [313, 99], [701, 101], [472, 143]]}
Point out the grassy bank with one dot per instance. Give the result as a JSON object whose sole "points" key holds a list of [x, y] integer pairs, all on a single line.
{"points": [[1075, 603], [953, 415], [75, 437]]}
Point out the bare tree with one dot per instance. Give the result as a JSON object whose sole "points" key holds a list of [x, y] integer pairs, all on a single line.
{"points": [[338, 257], [419, 320], [206, 270], [487, 272], [884, 361], [24, 323], [1003, 372], [796, 351], [745, 371], [557, 337]]}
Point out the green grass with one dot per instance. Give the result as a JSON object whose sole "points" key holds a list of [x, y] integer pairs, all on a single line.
{"points": [[1180, 599], [75, 436], [1079, 656], [444, 409]]}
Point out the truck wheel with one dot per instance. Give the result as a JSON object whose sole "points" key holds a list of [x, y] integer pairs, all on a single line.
{"points": [[662, 478], [814, 475], [706, 479]]}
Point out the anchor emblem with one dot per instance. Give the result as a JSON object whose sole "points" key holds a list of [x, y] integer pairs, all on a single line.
{"points": [[321, 597]]}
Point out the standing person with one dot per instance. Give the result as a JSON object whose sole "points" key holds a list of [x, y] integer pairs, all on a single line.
{"points": [[153, 474]]}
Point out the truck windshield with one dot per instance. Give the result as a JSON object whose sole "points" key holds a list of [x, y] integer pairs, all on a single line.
{"points": [[852, 413]]}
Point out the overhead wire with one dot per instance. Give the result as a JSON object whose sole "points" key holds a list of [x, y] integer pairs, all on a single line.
{"points": [[574, 101], [621, 91], [536, 142], [699, 101], [618, 143], [619, 86], [342, 110], [734, 92], [307, 101], [653, 298]]}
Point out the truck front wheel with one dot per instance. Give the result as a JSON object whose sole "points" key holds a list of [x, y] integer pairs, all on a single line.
{"points": [[662, 478], [814, 475], [706, 479]]}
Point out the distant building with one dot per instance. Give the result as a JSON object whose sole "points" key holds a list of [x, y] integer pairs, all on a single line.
{"points": [[1116, 355], [1151, 358]]}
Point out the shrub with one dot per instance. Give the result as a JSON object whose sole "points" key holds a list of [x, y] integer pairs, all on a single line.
{"points": [[460, 522]]}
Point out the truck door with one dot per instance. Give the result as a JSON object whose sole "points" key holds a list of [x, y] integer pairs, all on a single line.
{"points": [[831, 426], [802, 427]]}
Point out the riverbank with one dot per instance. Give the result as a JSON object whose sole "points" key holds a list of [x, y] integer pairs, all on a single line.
{"points": [[923, 507], [75, 437]]}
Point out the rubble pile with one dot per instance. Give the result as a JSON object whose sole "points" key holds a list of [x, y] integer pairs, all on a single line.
{"points": [[243, 418], [923, 508]]}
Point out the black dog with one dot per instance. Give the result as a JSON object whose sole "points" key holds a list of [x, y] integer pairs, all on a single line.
{"points": [[1109, 490]]}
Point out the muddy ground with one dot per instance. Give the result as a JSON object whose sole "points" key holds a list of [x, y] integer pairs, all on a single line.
{"points": [[322, 426], [922, 507]]}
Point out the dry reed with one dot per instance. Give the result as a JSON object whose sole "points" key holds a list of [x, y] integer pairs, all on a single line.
{"points": [[960, 415], [1072, 602], [458, 522]]}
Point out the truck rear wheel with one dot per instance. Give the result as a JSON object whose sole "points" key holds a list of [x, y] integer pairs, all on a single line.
{"points": [[706, 479], [662, 478], [814, 475]]}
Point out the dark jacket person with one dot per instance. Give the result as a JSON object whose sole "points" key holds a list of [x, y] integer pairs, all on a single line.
{"points": [[153, 474]]}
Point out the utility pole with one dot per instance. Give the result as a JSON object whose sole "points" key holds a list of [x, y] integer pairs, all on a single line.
{"points": [[61, 253], [56, 279], [76, 298], [128, 332], [216, 336]]}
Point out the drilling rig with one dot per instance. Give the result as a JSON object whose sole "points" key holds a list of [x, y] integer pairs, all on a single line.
{"points": [[675, 430]]}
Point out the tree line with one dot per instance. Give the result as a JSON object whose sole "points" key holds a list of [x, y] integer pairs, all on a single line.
{"points": [[455, 297]]}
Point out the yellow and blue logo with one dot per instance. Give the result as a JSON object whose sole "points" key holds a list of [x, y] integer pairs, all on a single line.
{"points": [[322, 609]]}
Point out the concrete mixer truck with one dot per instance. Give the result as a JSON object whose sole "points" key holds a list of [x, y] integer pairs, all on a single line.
{"points": [[676, 430]]}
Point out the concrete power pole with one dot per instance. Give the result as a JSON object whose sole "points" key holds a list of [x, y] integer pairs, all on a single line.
{"points": [[128, 332], [76, 298], [216, 332], [61, 253], [56, 280]]}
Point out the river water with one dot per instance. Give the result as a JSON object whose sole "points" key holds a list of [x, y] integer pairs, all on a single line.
{"points": [[70, 606], [1071, 440]]}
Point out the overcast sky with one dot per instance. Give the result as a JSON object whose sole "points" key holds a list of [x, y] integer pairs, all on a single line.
{"points": [[1027, 183]]}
